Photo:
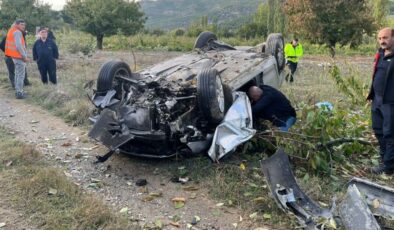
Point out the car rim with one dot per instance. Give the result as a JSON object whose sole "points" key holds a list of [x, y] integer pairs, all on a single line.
{"points": [[120, 73], [220, 94]]}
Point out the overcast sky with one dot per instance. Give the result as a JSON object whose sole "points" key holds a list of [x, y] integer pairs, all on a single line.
{"points": [[56, 4]]}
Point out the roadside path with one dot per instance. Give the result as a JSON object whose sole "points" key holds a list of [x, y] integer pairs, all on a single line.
{"points": [[70, 149]]}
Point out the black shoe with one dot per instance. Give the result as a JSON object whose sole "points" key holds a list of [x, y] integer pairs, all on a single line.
{"points": [[20, 95], [380, 169]]}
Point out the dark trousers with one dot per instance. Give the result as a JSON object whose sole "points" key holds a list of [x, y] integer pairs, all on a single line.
{"points": [[293, 67], [47, 68], [383, 126], [11, 72]]}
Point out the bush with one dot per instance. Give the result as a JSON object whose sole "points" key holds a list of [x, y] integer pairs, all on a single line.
{"points": [[75, 42], [178, 32]]}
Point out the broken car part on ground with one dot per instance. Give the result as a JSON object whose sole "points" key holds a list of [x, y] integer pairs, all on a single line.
{"points": [[175, 106], [363, 202]]}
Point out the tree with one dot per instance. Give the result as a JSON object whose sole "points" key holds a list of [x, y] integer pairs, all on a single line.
{"points": [[330, 22], [259, 24], [280, 17], [381, 9], [33, 12], [200, 25], [104, 18], [276, 16], [271, 16]]}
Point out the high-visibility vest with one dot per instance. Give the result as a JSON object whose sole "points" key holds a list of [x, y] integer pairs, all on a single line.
{"points": [[10, 45], [292, 53]]}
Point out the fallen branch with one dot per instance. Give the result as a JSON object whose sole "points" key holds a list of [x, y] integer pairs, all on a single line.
{"points": [[340, 141]]}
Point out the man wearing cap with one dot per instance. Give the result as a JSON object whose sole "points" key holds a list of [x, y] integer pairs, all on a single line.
{"points": [[15, 47]]}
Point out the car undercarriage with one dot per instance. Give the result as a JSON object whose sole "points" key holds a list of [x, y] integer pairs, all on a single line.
{"points": [[175, 106]]}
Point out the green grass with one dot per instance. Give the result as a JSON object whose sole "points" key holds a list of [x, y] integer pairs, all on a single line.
{"points": [[227, 182], [26, 180], [75, 42]]}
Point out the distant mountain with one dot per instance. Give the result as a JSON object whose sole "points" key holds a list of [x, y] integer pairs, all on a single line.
{"points": [[170, 14]]}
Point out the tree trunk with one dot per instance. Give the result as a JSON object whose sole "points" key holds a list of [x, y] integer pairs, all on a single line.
{"points": [[332, 51], [100, 39], [271, 16]]}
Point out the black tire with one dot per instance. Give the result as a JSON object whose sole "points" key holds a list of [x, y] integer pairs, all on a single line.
{"points": [[275, 46], [202, 41], [210, 96], [108, 73]]}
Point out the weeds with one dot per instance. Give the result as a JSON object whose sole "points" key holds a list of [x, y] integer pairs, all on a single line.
{"points": [[321, 172], [27, 179]]}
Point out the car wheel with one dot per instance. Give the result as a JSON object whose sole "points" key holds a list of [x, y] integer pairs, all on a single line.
{"points": [[109, 74], [210, 96], [274, 46], [203, 40]]}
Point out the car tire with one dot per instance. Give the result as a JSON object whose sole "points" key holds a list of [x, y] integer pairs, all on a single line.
{"points": [[203, 40], [107, 77], [275, 46], [210, 96]]}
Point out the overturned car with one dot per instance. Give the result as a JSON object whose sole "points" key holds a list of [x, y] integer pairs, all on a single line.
{"points": [[174, 106]]}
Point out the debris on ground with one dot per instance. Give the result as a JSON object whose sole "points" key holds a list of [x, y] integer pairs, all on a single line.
{"points": [[364, 200], [288, 195], [52, 191], [141, 182], [179, 202], [354, 212]]}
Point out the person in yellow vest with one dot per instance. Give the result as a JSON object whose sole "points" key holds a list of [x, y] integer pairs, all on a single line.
{"points": [[15, 47], [293, 53]]}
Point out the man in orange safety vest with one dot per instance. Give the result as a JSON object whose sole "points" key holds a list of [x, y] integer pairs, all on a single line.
{"points": [[15, 47]]}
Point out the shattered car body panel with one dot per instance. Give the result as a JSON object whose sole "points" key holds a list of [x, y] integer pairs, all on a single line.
{"points": [[354, 212], [175, 106], [236, 128], [363, 202], [380, 199], [287, 193]]}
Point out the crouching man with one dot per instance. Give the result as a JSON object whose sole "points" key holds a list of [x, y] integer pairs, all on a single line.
{"points": [[270, 104]]}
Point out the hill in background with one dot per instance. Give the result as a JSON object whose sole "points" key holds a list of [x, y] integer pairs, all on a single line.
{"points": [[170, 14]]}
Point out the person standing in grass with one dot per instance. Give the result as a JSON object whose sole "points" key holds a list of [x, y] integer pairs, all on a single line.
{"points": [[10, 64], [293, 53], [15, 47], [45, 52], [382, 96]]}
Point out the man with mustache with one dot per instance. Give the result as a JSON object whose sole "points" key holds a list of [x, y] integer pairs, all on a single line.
{"points": [[382, 96]]}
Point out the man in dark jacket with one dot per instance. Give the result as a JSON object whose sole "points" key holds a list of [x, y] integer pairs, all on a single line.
{"points": [[11, 66], [270, 104], [382, 96], [45, 52]]}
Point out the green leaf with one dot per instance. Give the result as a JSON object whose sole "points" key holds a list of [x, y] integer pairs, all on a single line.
{"points": [[179, 204], [267, 216]]}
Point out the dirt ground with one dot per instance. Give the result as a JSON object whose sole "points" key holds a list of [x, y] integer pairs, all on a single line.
{"points": [[69, 149]]}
